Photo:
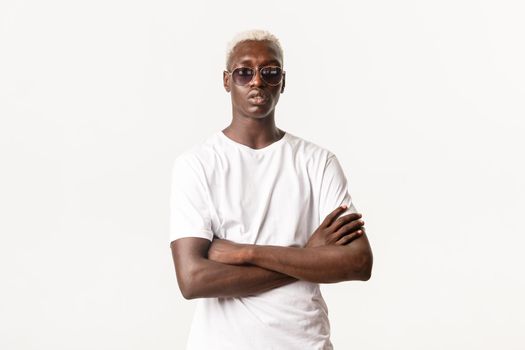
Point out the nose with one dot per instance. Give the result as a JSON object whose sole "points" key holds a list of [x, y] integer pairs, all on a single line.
{"points": [[257, 80]]}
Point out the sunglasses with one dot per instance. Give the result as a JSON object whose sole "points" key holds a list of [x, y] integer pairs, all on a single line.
{"points": [[271, 75]]}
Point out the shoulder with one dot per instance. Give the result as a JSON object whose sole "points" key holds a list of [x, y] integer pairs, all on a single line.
{"points": [[309, 148], [198, 156]]}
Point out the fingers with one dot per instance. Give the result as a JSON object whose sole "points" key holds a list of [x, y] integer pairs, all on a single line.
{"points": [[350, 237], [345, 220], [333, 215], [348, 228]]}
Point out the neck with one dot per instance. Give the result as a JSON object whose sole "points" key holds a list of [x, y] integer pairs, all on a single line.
{"points": [[253, 132]]}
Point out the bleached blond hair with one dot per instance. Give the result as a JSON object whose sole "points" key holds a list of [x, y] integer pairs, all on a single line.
{"points": [[252, 34]]}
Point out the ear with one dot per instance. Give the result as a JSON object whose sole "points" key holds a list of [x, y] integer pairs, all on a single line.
{"points": [[226, 81], [284, 82]]}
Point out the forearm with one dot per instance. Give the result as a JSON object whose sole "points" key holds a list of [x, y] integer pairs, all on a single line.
{"points": [[320, 264], [208, 279], [200, 277]]}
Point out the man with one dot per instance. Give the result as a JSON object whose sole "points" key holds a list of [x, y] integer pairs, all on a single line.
{"points": [[260, 217]]}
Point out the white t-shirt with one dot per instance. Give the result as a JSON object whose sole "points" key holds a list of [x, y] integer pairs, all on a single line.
{"points": [[276, 195]]}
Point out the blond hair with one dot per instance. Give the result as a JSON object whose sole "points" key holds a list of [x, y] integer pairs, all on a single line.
{"points": [[252, 34]]}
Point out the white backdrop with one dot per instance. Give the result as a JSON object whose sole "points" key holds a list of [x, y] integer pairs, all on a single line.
{"points": [[422, 102]]}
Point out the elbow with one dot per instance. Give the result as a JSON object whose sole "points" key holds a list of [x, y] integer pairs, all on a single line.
{"points": [[365, 268], [191, 290], [360, 267], [188, 284], [187, 292], [366, 273]]}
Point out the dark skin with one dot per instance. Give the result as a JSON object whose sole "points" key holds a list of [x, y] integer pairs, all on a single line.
{"points": [[338, 250], [253, 125]]}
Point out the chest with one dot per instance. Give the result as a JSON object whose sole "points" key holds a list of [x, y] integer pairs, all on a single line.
{"points": [[264, 202]]}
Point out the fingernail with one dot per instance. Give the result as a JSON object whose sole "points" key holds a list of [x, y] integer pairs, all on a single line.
{"points": [[344, 206]]}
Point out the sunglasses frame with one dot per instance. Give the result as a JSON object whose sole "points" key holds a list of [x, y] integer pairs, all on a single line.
{"points": [[258, 71]]}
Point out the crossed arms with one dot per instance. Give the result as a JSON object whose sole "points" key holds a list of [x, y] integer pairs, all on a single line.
{"points": [[337, 251]]}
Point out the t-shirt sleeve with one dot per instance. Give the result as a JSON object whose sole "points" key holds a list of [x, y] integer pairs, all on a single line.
{"points": [[189, 210], [334, 189]]}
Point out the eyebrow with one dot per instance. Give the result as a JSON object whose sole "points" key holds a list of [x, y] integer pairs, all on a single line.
{"points": [[243, 62]]}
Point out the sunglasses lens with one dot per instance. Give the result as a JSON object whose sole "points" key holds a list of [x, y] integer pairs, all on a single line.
{"points": [[272, 75], [242, 76]]}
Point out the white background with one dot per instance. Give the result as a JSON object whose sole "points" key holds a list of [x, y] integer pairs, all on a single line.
{"points": [[422, 102]]}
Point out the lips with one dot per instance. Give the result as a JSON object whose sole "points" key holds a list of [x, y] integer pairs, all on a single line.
{"points": [[258, 100], [257, 97]]}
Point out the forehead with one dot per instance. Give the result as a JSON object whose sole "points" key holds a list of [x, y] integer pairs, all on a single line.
{"points": [[255, 53]]}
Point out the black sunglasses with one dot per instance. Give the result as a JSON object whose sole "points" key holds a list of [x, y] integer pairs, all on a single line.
{"points": [[271, 75]]}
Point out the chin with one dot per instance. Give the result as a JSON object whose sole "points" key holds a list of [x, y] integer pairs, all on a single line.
{"points": [[258, 113], [258, 116]]}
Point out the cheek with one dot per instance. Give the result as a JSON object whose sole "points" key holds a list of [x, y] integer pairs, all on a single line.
{"points": [[238, 97], [276, 94], [235, 93]]}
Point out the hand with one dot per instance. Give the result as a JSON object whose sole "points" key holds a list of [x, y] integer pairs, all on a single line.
{"points": [[337, 232], [227, 252]]}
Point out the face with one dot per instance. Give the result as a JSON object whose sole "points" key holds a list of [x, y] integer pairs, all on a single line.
{"points": [[254, 54]]}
